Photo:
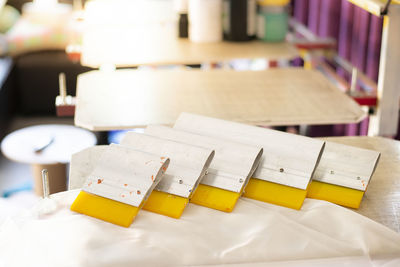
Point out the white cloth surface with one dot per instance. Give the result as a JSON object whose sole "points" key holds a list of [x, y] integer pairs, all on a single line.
{"points": [[17, 203], [254, 234]]}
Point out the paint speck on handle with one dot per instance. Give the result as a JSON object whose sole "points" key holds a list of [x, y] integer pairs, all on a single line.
{"points": [[125, 184], [99, 181], [162, 158], [138, 192], [152, 178]]}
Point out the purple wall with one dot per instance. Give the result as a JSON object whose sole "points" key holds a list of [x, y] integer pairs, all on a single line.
{"points": [[314, 7], [301, 11], [358, 35], [374, 47], [328, 18]]}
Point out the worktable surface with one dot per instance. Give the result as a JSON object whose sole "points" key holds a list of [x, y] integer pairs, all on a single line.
{"points": [[381, 201], [126, 99]]}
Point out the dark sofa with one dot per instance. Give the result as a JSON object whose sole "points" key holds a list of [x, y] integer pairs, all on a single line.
{"points": [[7, 94]]}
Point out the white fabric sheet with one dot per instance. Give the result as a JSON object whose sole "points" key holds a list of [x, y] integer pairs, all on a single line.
{"points": [[254, 234]]}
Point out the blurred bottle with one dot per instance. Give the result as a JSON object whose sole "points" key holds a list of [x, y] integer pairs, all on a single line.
{"points": [[239, 19], [205, 21], [273, 20], [181, 8]]}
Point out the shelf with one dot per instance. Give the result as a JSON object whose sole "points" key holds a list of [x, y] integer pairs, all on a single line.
{"points": [[164, 52], [134, 33]]}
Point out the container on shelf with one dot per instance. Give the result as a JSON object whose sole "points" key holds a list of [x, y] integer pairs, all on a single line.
{"points": [[272, 20], [183, 29], [181, 8], [239, 19], [205, 21], [47, 12]]}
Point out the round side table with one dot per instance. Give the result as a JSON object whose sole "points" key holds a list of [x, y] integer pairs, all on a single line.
{"points": [[47, 147]]}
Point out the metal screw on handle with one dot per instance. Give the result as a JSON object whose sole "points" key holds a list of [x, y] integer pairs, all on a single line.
{"points": [[63, 87], [45, 182]]}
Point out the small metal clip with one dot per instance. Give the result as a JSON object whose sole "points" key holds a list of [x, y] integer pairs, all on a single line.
{"points": [[45, 183], [63, 87]]}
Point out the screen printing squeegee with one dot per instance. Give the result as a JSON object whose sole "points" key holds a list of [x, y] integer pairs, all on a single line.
{"points": [[188, 166], [119, 185], [286, 167], [343, 174], [229, 172]]}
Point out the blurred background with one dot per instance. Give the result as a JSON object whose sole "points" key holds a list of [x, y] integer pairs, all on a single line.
{"points": [[346, 40]]}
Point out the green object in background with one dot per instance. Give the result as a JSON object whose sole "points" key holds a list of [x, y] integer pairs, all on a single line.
{"points": [[272, 24], [8, 17]]}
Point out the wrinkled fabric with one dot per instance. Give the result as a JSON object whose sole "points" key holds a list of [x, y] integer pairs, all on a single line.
{"points": [[254, 234]]}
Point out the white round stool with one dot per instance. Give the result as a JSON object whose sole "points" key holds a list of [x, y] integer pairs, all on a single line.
{"points": [[47, 147]]}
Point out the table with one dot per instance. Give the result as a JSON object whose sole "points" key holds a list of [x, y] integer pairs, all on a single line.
{"points": [[289, 96], [61, 140], [381, 201]]}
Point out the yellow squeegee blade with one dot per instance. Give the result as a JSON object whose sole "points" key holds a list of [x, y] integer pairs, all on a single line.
{"points": [[277, 194], [166, 204], [215, 198], [340, 195], [105, 209]]}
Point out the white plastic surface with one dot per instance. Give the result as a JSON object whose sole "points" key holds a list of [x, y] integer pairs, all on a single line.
{"points": [[233, 163], [254, 234], [188, 162], [125, 175]]}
